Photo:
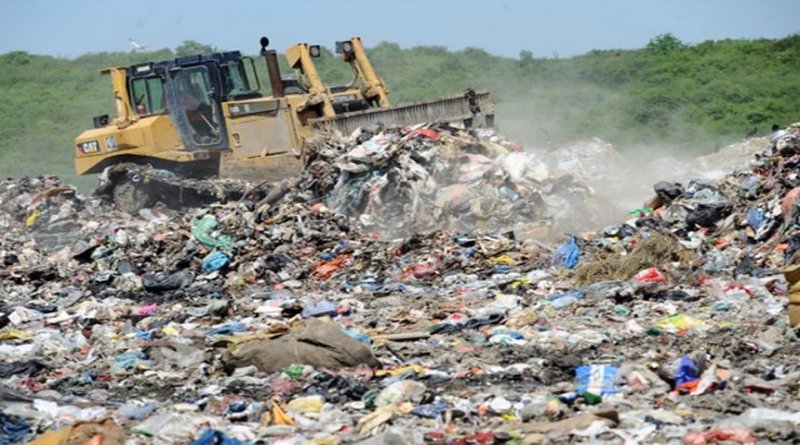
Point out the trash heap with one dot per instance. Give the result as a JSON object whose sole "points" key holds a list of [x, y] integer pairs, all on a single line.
{"points": [[290, 323], [429, 177]]}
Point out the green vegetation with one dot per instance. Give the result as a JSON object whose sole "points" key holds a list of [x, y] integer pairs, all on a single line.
{"points": [[688, 96]]}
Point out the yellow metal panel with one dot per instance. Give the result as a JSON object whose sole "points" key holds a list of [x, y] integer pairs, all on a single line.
{"points": [[282, 133], [88, 164], [297, 122], [153, 136], [260, 135], [263, 145]]}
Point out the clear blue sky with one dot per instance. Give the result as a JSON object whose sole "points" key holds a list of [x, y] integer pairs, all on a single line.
{"points": [[68, 28]]}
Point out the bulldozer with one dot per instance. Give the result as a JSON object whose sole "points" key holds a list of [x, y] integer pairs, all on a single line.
{"points": [[204, 116]]}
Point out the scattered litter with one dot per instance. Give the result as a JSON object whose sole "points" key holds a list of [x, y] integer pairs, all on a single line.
{"points": [[403, 289]]}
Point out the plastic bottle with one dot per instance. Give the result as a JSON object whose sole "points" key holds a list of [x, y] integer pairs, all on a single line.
{"points": [[564, 301], [130, 411]]}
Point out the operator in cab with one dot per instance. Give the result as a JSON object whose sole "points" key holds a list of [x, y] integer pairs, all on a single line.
{"points": [[197, 112]]}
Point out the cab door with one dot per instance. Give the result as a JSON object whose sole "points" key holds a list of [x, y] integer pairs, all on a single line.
{"points": [[193, 99]]}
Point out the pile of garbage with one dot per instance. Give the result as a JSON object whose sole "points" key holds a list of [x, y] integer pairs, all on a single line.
{"points": [[395, 181], [297, 322], [402, 180]]}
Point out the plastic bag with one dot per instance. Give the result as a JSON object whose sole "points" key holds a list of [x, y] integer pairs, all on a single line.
{"points": [[560, 301], [214, 261], [687, 371], [13, 429], [650, 275], [567, 255], [308, 404], [214, 437], [740, 435], [668, 190], [129, 361], [203, 229], [402, 391], [319, 308], [431, 411], [755, 218], [679, 322], [163, 281], [708, 215], [596, 379]]}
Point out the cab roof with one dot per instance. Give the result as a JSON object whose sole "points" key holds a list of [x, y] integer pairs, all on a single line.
{"points": [[147, 68]]}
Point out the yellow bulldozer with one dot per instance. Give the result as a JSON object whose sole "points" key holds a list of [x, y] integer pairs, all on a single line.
{"points": [[204, 116]]}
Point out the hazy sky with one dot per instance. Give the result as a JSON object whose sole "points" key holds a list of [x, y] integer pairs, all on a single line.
{"points": [[69, 28]]}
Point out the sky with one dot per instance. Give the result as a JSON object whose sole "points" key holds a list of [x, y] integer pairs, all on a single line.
{"points": [[562, 28]]}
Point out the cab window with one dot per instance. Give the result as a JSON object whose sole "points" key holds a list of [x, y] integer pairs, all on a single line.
{"points": [[240, 78], [195, 95], [147, 95]]}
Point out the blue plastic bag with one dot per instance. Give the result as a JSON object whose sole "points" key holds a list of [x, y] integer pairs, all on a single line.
{"points": [[567, 255], [687, 371], [358, 336], [13, 429], [215, 437], [503, 268], [510, 333], [319, 308], [129, 361], [596, 379], [228, 329], [755, 218], [214, 261], [431, 411]]}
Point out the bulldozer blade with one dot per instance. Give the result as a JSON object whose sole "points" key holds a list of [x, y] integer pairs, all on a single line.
{"points": [[463, 107]]}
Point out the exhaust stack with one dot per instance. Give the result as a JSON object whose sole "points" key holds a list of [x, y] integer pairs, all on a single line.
{"points": [[273, 69]]}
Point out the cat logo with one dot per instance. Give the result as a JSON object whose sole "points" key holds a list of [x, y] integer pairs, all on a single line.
{"points": [[89, 147]]}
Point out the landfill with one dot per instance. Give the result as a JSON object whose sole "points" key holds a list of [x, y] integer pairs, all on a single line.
{"points": [[413, 285], [400, 181]]}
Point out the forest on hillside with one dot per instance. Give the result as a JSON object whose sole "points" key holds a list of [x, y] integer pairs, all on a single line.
{"points": [[690, 97]]}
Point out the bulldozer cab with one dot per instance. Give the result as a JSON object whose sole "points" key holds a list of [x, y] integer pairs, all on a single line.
{"points": [[193, 101], [191, 90]]}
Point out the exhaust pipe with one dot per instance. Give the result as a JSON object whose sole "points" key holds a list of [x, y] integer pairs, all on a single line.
{"points": [[273, 69]]}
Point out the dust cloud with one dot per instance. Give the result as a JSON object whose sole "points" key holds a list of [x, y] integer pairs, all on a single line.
{"points": [[621, 180]]}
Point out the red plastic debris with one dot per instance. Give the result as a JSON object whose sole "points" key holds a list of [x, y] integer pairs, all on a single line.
{"points": [[651, 275], [427, 132], [326, 269], [418, 271], [740, 435]]}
